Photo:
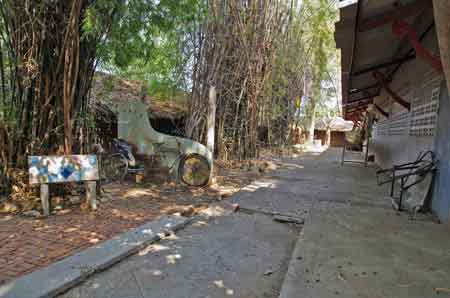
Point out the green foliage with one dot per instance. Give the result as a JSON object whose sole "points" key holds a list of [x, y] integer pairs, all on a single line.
{"points": [[147, 40], [322, 41], [139, 29], [307, 56]]}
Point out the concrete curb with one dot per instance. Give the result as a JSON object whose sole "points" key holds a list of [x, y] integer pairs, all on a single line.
{"points": [[295, 270], [61, 276]]}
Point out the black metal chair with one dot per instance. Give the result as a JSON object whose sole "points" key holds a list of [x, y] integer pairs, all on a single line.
{"points": [[420, 168]]}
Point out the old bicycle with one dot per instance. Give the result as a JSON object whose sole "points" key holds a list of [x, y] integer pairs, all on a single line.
{"points": [[193, 169]]}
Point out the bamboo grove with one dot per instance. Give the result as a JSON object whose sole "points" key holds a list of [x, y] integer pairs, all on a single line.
{"points": [[259, 54], [49, 52], [238, 50], [46, 69]]}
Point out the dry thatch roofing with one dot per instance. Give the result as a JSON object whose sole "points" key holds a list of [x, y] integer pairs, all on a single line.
{"points": [[112, 91], [335, 124]]}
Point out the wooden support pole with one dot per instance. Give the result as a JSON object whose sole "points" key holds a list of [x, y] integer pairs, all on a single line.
{"points": [[380, 78], [442, 21], [91, 194], [328, 136], [211, 123], [45, 199]]}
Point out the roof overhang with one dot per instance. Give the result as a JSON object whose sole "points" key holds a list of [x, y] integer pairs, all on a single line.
{"points": [[367, 42]]}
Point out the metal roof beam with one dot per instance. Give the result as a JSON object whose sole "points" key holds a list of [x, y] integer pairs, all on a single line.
{"points": [[383, 112], [355, 40], [365, 97], [400, 12], [364, 88], [358, 102], [385, 64], [383, 81], [422, 36], [401, 28], [356, 110]]}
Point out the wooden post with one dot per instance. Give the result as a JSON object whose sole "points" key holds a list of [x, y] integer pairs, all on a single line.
{"points": [[442, 21], [343, 152], [45, 199], [369, 125], [91, 194], [211, 122], [328, 137], [366, 157]]}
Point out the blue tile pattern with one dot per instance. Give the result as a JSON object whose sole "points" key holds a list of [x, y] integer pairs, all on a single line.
{"points": [[60, 169]]}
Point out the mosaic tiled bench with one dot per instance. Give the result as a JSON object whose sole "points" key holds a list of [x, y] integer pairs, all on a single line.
{"points": [[45, 170]]}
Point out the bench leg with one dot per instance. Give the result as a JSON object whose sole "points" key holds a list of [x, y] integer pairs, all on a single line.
{"points": [[139, 177], [91, 194], [402, 187], [366, 157], [393, 184], [45, 199]]}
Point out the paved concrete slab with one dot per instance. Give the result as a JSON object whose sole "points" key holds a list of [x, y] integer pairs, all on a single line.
{"points": [[58, 277], [237, 255], [273, 196], [313, 179], [368, 252], [354, 245]]}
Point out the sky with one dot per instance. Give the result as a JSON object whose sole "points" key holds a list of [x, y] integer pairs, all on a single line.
{"points": [[346, 3]]}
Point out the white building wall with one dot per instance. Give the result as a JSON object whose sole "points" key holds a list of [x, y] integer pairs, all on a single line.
{"points": [[400, 138]]}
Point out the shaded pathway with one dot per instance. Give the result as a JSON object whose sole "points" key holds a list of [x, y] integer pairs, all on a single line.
{"points": [[239, 256]]}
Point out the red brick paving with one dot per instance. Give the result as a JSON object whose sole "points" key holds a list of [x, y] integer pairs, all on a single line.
{"points": [[27, 244]]}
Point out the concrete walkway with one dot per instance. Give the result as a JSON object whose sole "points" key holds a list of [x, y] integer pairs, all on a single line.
{"points": [[353, 244], [369, 252], [231, 256]]}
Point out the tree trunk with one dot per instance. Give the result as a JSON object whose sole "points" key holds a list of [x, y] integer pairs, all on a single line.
{"points": [[312, 105], [312, 124], [237, 56], [442, 19], [49, 75]]}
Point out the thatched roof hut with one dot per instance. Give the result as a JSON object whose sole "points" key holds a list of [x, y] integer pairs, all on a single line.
{"points": [[112, 91], [331, 130], [109, 91], [334, 124]]}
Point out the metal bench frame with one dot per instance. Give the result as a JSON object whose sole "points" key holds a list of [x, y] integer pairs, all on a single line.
{"points": [[420, 168]]}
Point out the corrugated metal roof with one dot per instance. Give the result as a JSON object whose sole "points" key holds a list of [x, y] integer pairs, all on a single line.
{"points": [[364, 35]]}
